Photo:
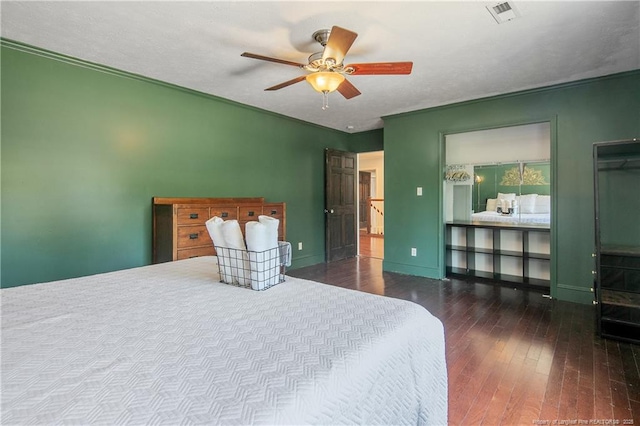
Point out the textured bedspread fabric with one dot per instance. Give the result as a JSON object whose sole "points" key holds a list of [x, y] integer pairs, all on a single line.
{"points": [[169, 344]]}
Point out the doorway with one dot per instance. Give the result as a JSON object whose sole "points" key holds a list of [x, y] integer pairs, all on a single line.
{"points": [[364, 193], [371, 204]]}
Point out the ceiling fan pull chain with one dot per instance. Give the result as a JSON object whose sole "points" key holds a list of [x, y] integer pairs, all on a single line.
{"points": [[325, 100]]}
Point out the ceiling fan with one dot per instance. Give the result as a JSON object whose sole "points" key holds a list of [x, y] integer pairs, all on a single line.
{"points": [[327, 71]]}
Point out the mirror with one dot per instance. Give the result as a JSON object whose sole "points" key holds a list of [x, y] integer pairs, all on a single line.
{"points": [[499, 175], [518, 192]]}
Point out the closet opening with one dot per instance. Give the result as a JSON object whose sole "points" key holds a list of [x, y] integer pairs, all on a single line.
{"points": [[497, 205], [371, 204]]}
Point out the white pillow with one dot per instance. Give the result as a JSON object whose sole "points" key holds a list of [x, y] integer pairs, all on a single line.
{"points": [[508, 197], [542, 204], [492, 204], [526, 203]]}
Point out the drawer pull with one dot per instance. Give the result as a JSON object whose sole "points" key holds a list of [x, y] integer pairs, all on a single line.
{"points": [[225, 214], [193, 216], [193, 236], [274, 212], [251, 213]]}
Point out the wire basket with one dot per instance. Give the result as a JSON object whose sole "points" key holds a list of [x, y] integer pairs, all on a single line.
{"points": [[252, 269]]}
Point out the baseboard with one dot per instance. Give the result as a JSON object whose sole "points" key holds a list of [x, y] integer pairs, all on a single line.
{"points": [[573, 293], [302, 261], [419, 271]]}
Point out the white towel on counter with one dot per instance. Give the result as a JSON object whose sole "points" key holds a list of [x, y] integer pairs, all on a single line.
{"points": [[239, 260], [214, 226], [263, 256]]}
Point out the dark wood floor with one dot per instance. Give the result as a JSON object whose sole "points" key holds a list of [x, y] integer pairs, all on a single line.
{"points": [[371, 245], [513, 356]]}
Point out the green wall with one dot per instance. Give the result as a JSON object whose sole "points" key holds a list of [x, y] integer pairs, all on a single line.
{"points": [[85, 148], [580, 114]]}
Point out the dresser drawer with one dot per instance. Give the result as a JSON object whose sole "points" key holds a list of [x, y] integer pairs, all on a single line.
{"points": [[193, 216], [196, 252], [224, 213], [249, 213], [273, 210], [192, 236]]}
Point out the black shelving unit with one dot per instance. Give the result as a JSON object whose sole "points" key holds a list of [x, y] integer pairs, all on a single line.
{"points": [[617, 275], [492, 254]]}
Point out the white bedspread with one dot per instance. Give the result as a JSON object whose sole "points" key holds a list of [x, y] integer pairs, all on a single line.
{"points": [[170, 344], [491, 216]]}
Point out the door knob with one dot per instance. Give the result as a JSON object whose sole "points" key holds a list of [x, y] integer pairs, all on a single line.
{"points": [[328, 211]]}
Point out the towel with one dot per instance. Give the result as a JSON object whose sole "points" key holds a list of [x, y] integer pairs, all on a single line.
{"points": [[263, 256], [285, 252], [214, 226], [272, 229], [239, 261], [273, 262]]}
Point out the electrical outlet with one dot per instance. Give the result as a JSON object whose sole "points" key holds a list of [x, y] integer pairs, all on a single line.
{"points": [[419, 191], [300, 245], [414, 251]]}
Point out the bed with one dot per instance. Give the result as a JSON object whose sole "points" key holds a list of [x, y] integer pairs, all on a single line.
{"points": [[170, 344], [531, 209], [492, 216]]}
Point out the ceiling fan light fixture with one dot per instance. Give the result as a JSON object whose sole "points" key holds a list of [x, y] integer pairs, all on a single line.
{"points": [[326, 68], [325, 81]]}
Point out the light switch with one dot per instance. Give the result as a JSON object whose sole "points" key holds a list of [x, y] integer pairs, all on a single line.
{"points": [[419, 191]]}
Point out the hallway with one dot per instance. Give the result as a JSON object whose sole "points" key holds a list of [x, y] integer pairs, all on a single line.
{"points": [[371, 245]]}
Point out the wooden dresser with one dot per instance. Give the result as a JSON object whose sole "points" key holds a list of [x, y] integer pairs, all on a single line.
{"points": [[179, 230]]}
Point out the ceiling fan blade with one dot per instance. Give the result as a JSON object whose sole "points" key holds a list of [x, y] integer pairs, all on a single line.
{"points": [[348, 90], [276, 60], [339, 43], [287, 83], [381, 68]]}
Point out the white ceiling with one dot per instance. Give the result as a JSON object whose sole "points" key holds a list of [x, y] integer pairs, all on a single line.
{"points": [[458, 50]]}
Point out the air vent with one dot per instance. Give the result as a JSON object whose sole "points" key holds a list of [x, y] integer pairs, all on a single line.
{"points": [[503, 12]]}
